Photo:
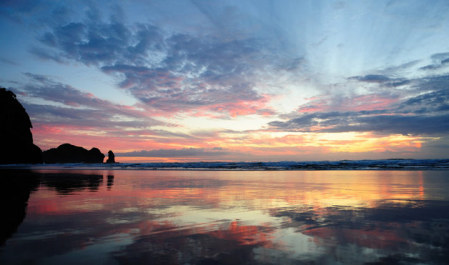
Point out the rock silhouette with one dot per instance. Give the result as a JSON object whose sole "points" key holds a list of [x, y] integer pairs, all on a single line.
{"points": [[111, 157], [67, 153], [16, 140]]}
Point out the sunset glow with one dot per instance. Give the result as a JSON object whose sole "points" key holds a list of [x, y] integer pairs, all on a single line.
{"points": [[169, 81]]}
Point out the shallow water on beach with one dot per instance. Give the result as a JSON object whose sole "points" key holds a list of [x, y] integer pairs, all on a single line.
{"points": [[224, 217]]}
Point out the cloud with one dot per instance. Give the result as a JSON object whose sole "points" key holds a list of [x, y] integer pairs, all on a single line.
{"points": [[430, 102], [168, 70], [344, 103], [66, 105], [424, 110], [397, 124], [88, 43], [385, 80], [373, 78], [87, 118], [194, 73], [185, 152], [439, 60], [367, 121], [15, 10], [45, 54], [7, 61]]}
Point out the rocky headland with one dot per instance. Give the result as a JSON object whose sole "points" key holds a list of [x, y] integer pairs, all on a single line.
{"points": [[16, 140], [68, 153]]}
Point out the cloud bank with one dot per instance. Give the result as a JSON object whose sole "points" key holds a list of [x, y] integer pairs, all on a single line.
{"points": [[294, 80]]}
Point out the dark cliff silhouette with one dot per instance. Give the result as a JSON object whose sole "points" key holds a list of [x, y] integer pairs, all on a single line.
{"points": [[67, 153], [111, 157], [16, 140]]}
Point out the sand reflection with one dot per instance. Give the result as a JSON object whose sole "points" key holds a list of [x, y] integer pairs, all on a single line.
{"points": [[229, 217]]}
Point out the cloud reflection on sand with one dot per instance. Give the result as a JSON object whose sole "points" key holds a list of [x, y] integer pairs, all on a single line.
{"points": [[211, 217]]}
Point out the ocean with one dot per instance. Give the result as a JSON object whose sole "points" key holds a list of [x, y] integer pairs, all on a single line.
{"points": [[266, 214]]}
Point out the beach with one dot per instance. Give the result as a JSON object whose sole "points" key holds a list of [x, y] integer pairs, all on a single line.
{"points": [[122, 216]]}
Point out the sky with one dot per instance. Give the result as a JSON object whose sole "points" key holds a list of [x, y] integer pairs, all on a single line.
{"points": [[252, 80]]}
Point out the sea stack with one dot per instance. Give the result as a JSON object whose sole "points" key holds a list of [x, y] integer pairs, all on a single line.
{"points": [[111, 157], [16, 140]]}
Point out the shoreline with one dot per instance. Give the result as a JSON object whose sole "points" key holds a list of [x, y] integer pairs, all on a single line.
{"points": [[387, 164]]}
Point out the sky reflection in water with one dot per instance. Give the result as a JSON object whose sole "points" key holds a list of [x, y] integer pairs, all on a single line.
{"points": [[232, 217]]}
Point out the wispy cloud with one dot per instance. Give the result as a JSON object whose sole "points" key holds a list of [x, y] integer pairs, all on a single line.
{"points": [[416, 106], [80, 107], [185, 152], [439, 61]]}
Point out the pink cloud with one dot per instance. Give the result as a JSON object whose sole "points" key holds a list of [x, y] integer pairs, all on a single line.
{"points": [[237, 108], [370, 102]]}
